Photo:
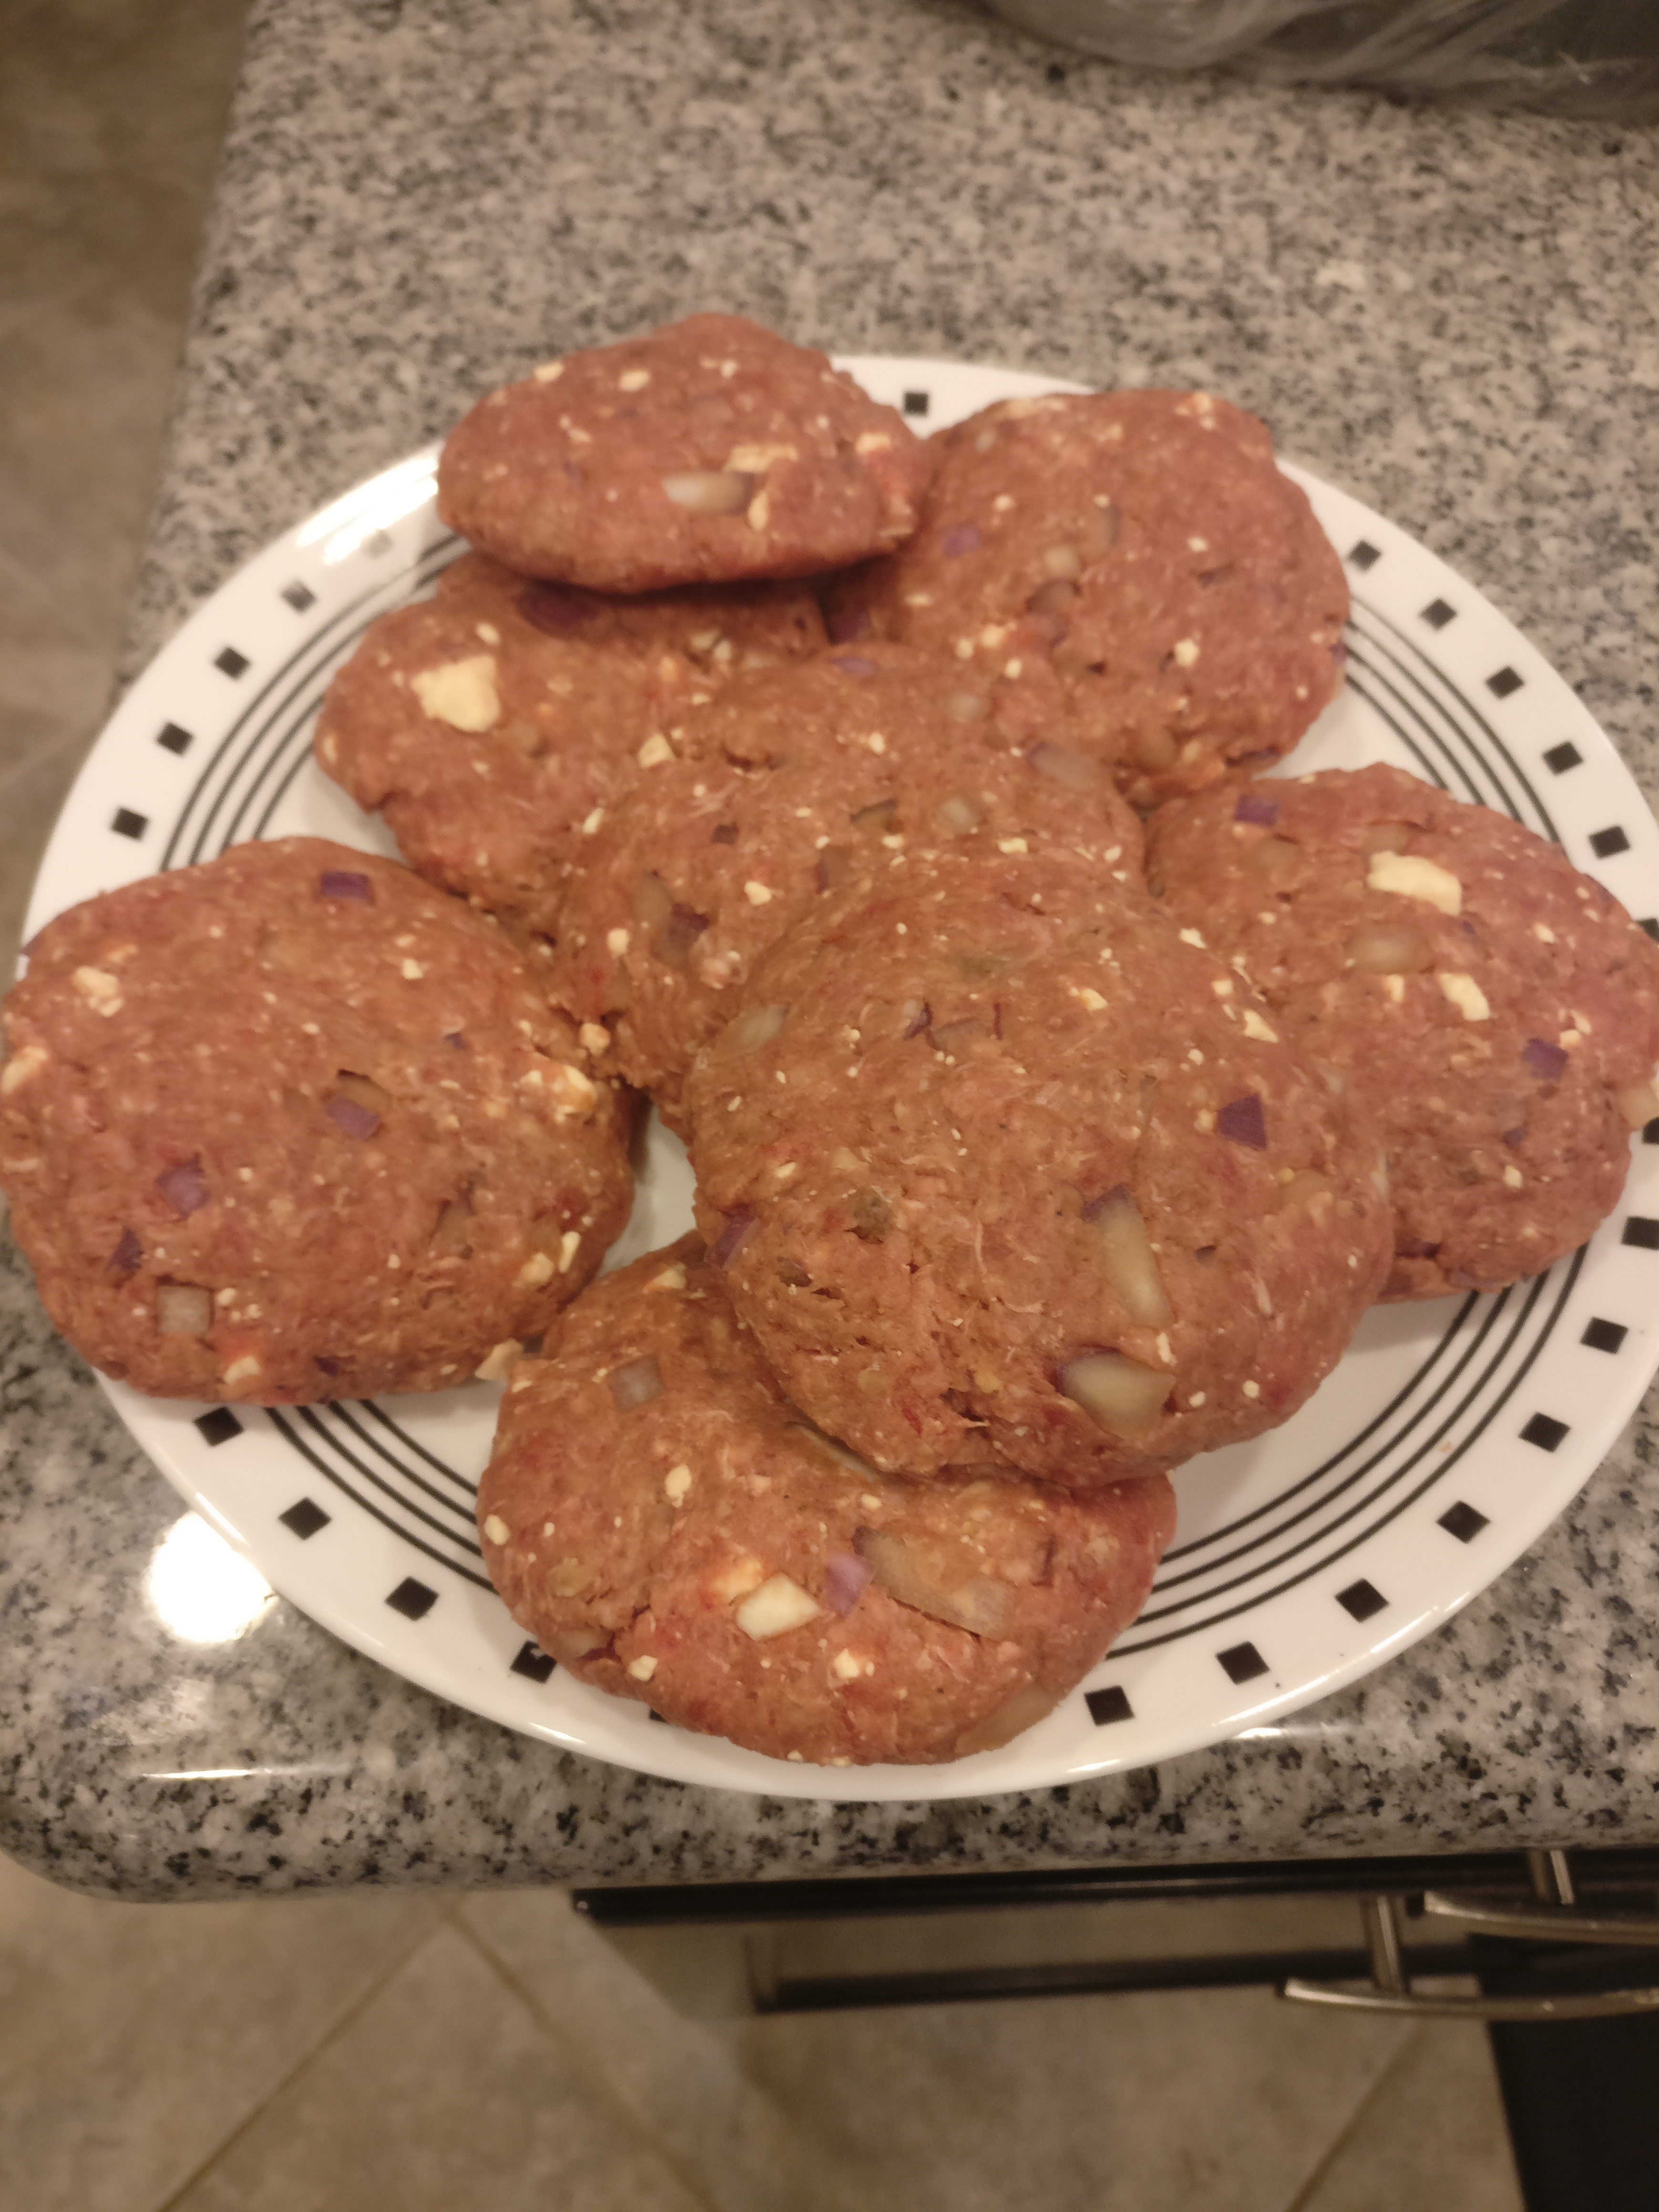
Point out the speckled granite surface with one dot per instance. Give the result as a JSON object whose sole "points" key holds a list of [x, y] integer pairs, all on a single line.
{"points": [[1452, 315]]}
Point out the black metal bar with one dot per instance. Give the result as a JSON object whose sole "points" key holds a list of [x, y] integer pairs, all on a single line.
{"points": [[877, 1896]]}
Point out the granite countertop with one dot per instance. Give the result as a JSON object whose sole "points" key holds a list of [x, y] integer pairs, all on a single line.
{"points": [[1450, 313]]}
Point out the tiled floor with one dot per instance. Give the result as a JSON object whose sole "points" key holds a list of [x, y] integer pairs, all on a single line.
{"points": [[493, 2051]]}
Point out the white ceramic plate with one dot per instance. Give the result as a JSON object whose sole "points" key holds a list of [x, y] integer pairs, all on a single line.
{"points": [[1446, 1441]]}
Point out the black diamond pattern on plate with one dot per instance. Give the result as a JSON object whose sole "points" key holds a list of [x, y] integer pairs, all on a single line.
{"points": [[1559, 758], [1110, 1705], [1462, 1522], [173, 738], [412, 1599], [1641, 1231], [230, 662], [1242, 1662], [1543, 1431], [298, 597], [1362, 1599], [916, 403], [126, 823], [1650, 1131], [305, 1519], [1363, 556], [1606, 1335], [219, 1426], [1650, 923], [1437, 614], [532, 1660], [1503, 683], [1605, 842]]}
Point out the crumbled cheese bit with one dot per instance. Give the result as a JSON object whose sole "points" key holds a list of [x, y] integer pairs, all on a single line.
{"points": [[1256, 1028], [1186, 651], [876, 742], [1197, 1398], [758, 894], [643, 1667], [1192, 936], [759, 510], [964, 649], [677, 1482], [537, 1270], [1163, 1350], [595, 1037], [549, 373], [22, 1066], [1569, 1040], [592, 823], [1090, 999], [1252, 1389], [670, 1278], [655, 750], [496, 1529], [1222, 986], [785, 1169], [461, 693], [848, 1665], [1514, 1177], [101, 990], [872, 442], [241, 1370], [743, 1575], [573, 1093], [1012, 845], [500, 1361], [1543, 932], [775, 1608], [1410, 875], [569, 1245], [1465, 994], [633, 380], [615, 942]]}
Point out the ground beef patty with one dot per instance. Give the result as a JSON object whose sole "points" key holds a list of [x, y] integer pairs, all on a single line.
{"points": [[709, 450], [664, 1522], [491, 724], [1497, 1012], [997, 1163], [1136, 554], [800, 779], [294, 1126]]}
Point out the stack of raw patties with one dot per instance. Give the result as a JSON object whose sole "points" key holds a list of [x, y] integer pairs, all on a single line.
{"points": [[804, 765]]}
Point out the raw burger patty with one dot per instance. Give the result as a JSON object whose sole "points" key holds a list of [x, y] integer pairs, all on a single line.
{"points": [[490, 723], [1010, 1171], [661, 1519], [1136, 555], [294, 1126], [1497, 1012], [709, 450], [800, 778]]}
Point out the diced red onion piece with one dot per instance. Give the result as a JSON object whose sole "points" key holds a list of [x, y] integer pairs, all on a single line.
{"points": [[1415, 1248], [1074, 771], [356, 1121], [854, 663], [1547, 1061], [920, 1018], [981, 1605], [329, 1366], [879, 817], [127, 1256], [554, 608], [1121, 1394], [966, 537], [1009, 1719], [1339, 653], [637, 1382], [652, 902], [1273, 856], [846, 1581], [183, 1309], [835, 865], [847, 623], [456, 1040], [872, 1216], [345, 884], [1256, 806], [1127, 1258], [1390, 952], [723, 833], [1243, 1122], [1052, 598], [724, 1248], [184, 1187], [751, 1030], [710, 491], [957, 816]]}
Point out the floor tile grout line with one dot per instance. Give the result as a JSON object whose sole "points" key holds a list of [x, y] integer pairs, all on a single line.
{"points": [[329, 2036], [635, 2122], [1346, 2133]]}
